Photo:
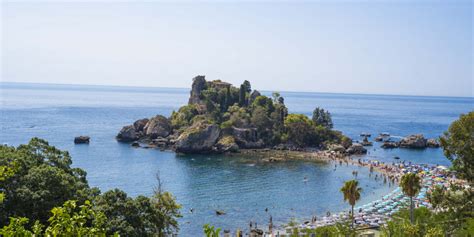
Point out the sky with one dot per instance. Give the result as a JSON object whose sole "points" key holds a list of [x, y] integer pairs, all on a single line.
{"points": [[371, 47]]}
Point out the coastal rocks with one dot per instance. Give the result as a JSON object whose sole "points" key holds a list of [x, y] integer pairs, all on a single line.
{"points": [[433, 143], [390, 145], [158, 126], [140, 124], [253, 96], [366, 142], [379, 138], [199, 138], [247, 138], [128, 134], [135, 144], [356, 149], [82, 140], [337, 148], [413, 141], [227, 144], [199, 84]]}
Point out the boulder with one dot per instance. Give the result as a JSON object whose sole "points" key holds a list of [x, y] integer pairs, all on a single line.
{"points": [[356, 149], [337, 148], [158, 126], [247, 138], [82, 140], [432, 143], [253, 96], [379, 138], [413, 141], [128, 134], [199, 138], [389, 145], [227, 144], [140, 124], [366, 142], [135, 144]]}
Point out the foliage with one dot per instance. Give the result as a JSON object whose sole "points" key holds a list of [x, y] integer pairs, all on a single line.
{"points": [[351, 192], [300, 130], [68, 220], [42, 180], [183, 117], [211, 231], [411, 186], [458, 146], [322, 117]]}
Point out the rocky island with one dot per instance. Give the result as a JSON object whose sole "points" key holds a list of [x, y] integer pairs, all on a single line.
{"points": [[221, 118]]}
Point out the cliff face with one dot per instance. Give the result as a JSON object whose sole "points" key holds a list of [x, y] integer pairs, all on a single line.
{"points": [[222, 118]]}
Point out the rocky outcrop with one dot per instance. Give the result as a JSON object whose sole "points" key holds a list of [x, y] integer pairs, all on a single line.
{"points": [[227, 144], [158, 126], [379, 138], [413, 141], [390, 145], [337, 148], [128, 134], [433, 143], [366, 142], [199, 84], [82, 140], [247, 138], [199, 138], [140, 124], [253, 96], [356, 149]]}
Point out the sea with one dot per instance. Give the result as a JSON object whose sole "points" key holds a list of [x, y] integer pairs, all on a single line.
{"points": [[246, 189]]}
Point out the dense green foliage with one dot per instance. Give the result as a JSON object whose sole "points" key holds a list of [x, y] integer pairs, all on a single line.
{"points": [[211, 231], [458, 146], [68, 220], [37, 180], [323, 118], [411, 186]]}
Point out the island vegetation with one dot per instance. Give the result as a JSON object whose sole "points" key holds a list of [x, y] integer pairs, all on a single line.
{"points": [[222, 118]]}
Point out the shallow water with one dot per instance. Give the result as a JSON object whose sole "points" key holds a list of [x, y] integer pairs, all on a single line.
{"points": [[240, 186]]}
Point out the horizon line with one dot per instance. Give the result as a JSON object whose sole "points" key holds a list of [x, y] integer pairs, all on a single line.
{"points": [[262, 90]]}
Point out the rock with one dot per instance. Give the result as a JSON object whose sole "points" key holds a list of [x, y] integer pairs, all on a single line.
{"points": [[396, 158], [158, 126], [127, 134], [433, 143], [135, 144], [247, 138], [337, 148], [227, 144], [413, 141], [220, 212], [379, 138], [140, 124], [82, 140], [253, 96], [364, 134], [356, 149], [199, 84], [366, 142], [389, 145], [199, 138]]}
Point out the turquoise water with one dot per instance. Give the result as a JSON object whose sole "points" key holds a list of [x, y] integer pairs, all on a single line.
{"points": [[242, 187]]}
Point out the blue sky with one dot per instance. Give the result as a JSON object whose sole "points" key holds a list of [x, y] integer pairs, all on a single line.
{"points": [[375, 47]]}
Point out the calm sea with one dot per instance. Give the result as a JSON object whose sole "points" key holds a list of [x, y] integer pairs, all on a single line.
{"points": [[241, 187]]}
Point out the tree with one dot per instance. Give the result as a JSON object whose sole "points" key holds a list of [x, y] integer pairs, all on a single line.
{"points": [[458, 146], [211, 231], [300, 130], [323, 118], [351, 191], [67, 220], [42, 180], [411, 185]]}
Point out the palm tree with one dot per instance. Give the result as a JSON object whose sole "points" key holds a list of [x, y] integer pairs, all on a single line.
{"points": [[351, 193], [411, 185]]}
